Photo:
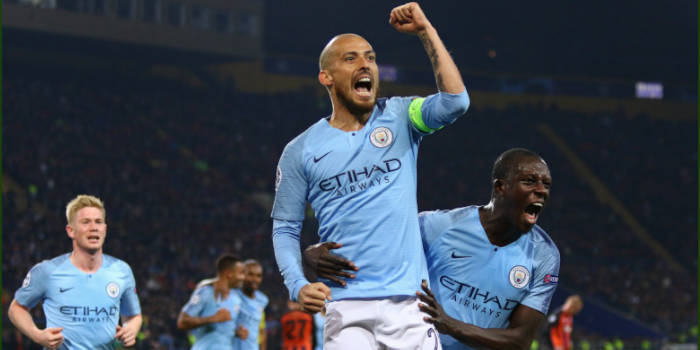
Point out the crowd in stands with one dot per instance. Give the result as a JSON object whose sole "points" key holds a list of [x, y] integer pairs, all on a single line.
{"points": [[187, 173]]}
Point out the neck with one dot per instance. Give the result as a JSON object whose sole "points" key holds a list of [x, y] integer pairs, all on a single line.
{"points": [[249, 292], [221, 287], [346, 119], [498, 227], [86, 261]]}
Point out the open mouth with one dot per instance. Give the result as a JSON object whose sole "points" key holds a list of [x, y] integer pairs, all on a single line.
{"points": [[93, 239], [532, 211], [363, 87]]}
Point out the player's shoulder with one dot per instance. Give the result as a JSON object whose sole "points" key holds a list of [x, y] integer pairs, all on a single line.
{"points": [[48, 266], [261, 297], [396, 105], [205, 282], [116, 263], [544, 244], [456, 214]]}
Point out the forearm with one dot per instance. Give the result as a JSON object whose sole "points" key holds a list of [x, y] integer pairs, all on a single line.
{"points": [[491, 338], [187, 322], [285, 239], [447, 75], [133, 323], [22, 320]]}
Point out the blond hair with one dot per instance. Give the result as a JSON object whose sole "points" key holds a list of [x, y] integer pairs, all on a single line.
{"points": [[83, 201]]}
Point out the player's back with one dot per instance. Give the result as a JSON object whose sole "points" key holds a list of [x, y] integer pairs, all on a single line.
{"points": [[297, 331]]}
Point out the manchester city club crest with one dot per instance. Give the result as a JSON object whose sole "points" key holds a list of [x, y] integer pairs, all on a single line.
{"points": [[113, 289], [381, 137], [519, 276]]}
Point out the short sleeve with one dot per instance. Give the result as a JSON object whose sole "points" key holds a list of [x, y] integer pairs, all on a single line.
{"points": [[545, 279], [34, 285], [433, 112], [290, 184], [130, 305], [432, 224]]}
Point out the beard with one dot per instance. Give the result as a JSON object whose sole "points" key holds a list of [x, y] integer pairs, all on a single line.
{"points": [[354, 108]]}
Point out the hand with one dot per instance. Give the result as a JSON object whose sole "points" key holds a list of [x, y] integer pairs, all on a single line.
{"points": [[313, 296], [328, 265], [50, 338], [242, 332], [126, 335], [222, 315], [438, 316], [409, 18]]}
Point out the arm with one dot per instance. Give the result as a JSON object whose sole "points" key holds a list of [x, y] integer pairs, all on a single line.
{"points": [[129, 330], [285, 239], [409, 18], [187, 322], [524, 322], [21, 318]]}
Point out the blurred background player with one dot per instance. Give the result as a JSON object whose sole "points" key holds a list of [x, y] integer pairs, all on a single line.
{"points": [[253, 303], [357, 168], [82, 292], [492, 268], [212, 312], [298, 329], [561, 323]]}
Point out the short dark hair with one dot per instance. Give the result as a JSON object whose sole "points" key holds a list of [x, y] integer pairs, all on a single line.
{"points": [[508, 160], [226, 261]]}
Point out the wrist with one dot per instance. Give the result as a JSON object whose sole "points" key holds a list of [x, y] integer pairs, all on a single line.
{"points": [[427, 31]]}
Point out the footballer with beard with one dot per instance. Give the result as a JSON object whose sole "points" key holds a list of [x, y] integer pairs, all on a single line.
{"points": [[357, 169]]}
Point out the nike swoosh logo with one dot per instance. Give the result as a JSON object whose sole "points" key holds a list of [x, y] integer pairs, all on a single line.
{"points": [[321, 157], [460, 256], [65, 289]]}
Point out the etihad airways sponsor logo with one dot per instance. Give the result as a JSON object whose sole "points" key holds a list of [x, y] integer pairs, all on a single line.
{"points": [[478, 299], [354, 180], [89, 314]]}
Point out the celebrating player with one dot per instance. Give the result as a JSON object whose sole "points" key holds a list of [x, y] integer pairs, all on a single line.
{"points": [[493, 270], [357, 168], [252, 308], [212, 311], [82, 292]]}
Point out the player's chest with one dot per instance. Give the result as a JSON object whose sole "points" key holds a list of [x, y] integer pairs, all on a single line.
{"points": [[484, 273], [76, 285], [374, 154]]}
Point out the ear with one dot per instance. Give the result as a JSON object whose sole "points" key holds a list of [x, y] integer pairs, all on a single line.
{"points": [[499, 186], [325, 78], [69, 231]]}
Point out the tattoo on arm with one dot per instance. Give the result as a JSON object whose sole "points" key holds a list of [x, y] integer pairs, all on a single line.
{"points": [[432, 54]]}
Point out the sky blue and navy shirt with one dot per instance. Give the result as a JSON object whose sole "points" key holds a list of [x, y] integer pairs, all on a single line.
{"points": [[479, 283], [250, 317], [362, 188], [203, 303], [86, 305]]}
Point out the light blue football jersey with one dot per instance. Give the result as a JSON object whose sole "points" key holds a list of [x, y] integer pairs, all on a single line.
{"points": [[362, 188], [86, 305], [319, 322], [250, 316], [202, 303], [479, 283]]}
